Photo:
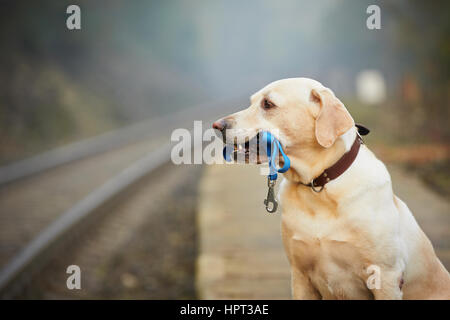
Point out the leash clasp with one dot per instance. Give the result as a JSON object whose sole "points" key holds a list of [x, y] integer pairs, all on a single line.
{"points": [[270, 202]]}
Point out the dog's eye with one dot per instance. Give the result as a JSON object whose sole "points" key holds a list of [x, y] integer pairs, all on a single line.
{"points": [[267, 104]]}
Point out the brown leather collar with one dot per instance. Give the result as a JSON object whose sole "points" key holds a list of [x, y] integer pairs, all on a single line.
{"points": [[338, 168]]}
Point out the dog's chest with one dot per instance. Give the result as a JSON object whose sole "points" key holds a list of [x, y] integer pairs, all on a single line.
{"points": [[323, 245], [327, 256]]}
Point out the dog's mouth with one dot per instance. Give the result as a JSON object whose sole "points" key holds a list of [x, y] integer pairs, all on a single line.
{"points": [[252, 151], [248, 151]]}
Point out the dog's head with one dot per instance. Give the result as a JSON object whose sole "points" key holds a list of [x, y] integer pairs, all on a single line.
{"points": [[301, 113]]}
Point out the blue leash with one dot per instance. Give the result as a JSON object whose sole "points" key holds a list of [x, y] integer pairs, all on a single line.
{"points": [[273, 146]]}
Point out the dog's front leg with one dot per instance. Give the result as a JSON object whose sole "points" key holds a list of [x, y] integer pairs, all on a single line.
{"points": [[301, 286]]}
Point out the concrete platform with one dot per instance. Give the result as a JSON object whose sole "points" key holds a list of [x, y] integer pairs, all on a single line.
{"points": [[241, 254]]}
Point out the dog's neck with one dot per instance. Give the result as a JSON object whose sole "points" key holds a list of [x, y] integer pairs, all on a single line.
{"points": [[307, 165]]}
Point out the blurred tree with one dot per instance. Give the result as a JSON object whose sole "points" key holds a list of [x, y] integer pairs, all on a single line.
{"points": [[423, 32], [412, 49], [58, 85]]}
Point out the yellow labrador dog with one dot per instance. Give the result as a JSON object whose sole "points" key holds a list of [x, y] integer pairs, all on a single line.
{"points": [[349, 227]]}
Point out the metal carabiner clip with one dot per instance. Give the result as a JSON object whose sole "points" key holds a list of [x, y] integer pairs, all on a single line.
{"points": [[270, 202]]}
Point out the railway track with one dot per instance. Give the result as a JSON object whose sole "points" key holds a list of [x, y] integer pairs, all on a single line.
{"points": [[48, 200]]}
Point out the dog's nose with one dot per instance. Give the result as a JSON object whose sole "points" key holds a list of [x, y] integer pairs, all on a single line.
{"points": [[220, 125]]}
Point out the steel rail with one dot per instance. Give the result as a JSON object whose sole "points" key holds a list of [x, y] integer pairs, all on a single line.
{"points": [[107, 141], [32, 252]]}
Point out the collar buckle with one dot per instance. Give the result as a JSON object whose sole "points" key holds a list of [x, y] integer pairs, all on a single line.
{"points": [[313, 186]]}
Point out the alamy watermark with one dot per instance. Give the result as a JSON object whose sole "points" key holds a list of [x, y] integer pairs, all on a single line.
{"points": [[373, 22], [374, 279], [73, 21], [200, 146], [74, 280]]}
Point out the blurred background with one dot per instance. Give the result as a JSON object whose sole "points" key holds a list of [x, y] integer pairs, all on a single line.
{"points": [[78, 107]]}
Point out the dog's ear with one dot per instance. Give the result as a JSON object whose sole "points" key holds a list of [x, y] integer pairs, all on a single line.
{"points": [[333, 120]]}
